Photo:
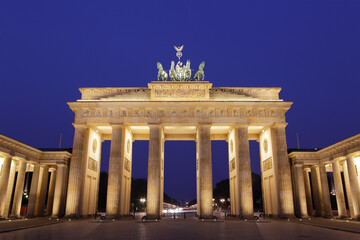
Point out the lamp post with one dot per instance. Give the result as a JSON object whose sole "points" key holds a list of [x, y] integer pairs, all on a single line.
{"points": [[143, 200]]}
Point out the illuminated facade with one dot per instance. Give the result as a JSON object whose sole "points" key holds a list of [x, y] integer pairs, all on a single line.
{"points": [[16, 157], [342, 159], [179, 110]]}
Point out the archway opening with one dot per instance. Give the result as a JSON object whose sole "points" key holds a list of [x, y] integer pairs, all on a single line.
{"points": [[220, 170], [180, 172]]}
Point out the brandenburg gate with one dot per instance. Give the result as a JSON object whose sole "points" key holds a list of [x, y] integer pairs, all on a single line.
{"points": [[179, 109]]}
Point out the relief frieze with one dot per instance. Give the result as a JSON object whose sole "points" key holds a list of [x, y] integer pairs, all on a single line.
{"points": [[92, 164], [127, 165], [180, 93], [232, 165], [267, 164]]}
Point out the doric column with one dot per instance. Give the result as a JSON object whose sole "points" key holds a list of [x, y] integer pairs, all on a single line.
{"points": [[41, 191], [10, 189], [115, 171], [59, 192], [50, 200], [309, 203], [348, 189], [76, 171], [245, 208], [339, 191], [19, 189], [33, 191], [281, 161], [154, 172], [325, 191], [300, 194], [162, 173], [317, 193], [198, 202], [354, 186], [205, 171], [4, 182]]}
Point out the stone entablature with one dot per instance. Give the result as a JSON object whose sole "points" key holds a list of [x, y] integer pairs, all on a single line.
{"points": [[17, 157], [338, 150], [343, 160], [180, 91], [20, 150], [177, 110], [175, 91], [137, 113]]}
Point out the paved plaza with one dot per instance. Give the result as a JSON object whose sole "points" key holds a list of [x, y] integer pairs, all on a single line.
{"points": [[189, 228]]}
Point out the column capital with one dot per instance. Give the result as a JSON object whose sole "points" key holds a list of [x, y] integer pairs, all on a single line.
{"points": [[279, 125], [315, 166], [5, 155], [155, 122], [352, 155], [44, 166], [77, 125], [209, 125], [61, 165], [117, 125], [19, 159], [238, 125], [336, 160], [299, 164], [323, 165], [204, 123]]}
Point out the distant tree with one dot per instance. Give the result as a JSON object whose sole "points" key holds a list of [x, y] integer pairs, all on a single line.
{"points": [[222, 191], [192, 202]]}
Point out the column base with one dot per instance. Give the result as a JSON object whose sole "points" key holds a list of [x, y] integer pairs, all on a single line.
{"points": [[201, 217], [73, 216], [280, 216], [152, 217], [111, 216], [246, 216]]}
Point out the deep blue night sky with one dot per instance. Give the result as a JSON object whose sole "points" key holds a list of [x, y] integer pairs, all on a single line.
{"points": [[309, 48]]}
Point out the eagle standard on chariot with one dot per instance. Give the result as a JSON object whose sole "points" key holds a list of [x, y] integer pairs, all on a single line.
{"points": [[180, 72]]}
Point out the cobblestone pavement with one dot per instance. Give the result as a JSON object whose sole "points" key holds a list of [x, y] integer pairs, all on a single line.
{"points": [[11, 225], [188, 229]]}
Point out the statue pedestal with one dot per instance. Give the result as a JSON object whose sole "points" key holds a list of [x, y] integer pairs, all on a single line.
{"points": [[180, 91]]}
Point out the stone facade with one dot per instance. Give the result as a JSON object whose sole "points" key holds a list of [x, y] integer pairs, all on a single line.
{"points": [[342, 159], [168, 111], [23, 159]]}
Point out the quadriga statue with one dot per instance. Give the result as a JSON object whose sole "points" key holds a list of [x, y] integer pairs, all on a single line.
{"points": [[161, 73], [200, 75]]}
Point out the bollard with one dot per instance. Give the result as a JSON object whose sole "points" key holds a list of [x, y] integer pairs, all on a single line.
{"points": [[174, 215], [184, 215]]}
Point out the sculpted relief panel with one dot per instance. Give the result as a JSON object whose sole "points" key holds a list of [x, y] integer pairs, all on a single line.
{"points": [[180, 93], [267, 164], [252, 114], [92, 164]]}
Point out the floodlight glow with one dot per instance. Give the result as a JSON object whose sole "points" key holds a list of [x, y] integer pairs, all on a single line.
{"points": [[1, 161], [357, 161]]}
